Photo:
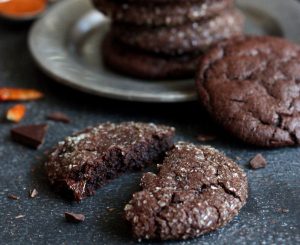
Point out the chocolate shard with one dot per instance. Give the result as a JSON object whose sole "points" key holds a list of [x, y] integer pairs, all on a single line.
{"points": [[59, 117], [74, 218], [33, 193], [30, 135], [13, 197], [258, 162]]}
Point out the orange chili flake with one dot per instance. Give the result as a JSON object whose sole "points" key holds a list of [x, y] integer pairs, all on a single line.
{"points": [[16, 113], [22, 7], [12, 94]]}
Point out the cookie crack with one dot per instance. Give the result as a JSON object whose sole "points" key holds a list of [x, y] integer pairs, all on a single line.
{"points": [[228, 191]]}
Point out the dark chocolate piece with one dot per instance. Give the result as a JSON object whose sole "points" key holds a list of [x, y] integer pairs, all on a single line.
{"points": [[196, 190], [250, 85], [30, 135], [86, 161], [258, 162], [59, 117], [74, 218]]}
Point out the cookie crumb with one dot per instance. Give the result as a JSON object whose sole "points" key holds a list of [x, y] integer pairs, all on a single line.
{"points": [[20, 216], [33, 193], [110, 209], [74, 218], [258, 162], [283, 210], [13, 197], [206, 137]]}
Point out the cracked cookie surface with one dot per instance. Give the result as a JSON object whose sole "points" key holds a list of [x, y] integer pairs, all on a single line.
{"points": [[89, 159], [196, 190], [251, 86]]}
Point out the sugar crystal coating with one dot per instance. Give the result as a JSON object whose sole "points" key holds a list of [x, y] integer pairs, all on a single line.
{"points": [[87, 160], [196, 190]]}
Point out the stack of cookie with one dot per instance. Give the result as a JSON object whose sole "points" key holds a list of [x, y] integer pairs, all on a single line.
{"points": [[156, 39]]}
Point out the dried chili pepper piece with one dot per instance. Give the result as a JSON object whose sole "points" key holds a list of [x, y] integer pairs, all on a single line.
{"points": [[16, 113], [13, 94]]}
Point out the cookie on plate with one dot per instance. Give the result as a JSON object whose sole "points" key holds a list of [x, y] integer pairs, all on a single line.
{"points": [[196, 190], [186, 38], [251, 86], [167, 13], [89, 159], [135, 63]]}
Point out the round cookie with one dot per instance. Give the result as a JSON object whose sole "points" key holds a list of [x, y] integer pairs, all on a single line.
{"points": [[186, 38], [144, 65], [251, 86], [154, 14], [197, 190]]}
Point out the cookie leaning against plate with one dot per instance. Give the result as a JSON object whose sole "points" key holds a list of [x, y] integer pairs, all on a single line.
{"points": [[186, 38], [154, 14], [251, 86], [89, 159], [128, 61], [197, 190]]}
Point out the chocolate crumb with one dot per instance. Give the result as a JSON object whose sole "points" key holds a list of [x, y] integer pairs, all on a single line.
{"points": [[30, 135], [33, 193], [13, 197], [283, 210], [59, 117], [74, 218], [258, 162], [206, 137], [20, 216]]}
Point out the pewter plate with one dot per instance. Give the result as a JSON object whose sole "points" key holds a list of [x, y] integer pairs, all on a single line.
{"points": [[65, 43]]}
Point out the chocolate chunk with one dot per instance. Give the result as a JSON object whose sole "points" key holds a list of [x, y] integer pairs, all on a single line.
{"points": [[33, 193], [30, 135], [89, 159], [258, 162], [74, 218], [13, 197], [59, 117], [196, 190]]}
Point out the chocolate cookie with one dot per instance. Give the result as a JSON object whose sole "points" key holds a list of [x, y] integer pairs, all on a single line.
{"points": [[196, 190], [154, 14], [186, 38], [86, 161], [145, 65], [251, 86]]}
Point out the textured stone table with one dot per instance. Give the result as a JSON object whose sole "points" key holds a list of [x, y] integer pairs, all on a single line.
{"points": [[271, 216]]}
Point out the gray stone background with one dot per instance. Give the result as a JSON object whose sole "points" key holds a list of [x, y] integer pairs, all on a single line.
{"points": [[271, 216]]}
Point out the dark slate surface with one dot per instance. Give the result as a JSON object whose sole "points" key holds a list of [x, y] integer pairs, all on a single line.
{"points": [[271, 216]]}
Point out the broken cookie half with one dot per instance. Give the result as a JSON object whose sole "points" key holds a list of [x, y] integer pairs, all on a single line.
{"points": [[87, 160], [196, 190]]}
